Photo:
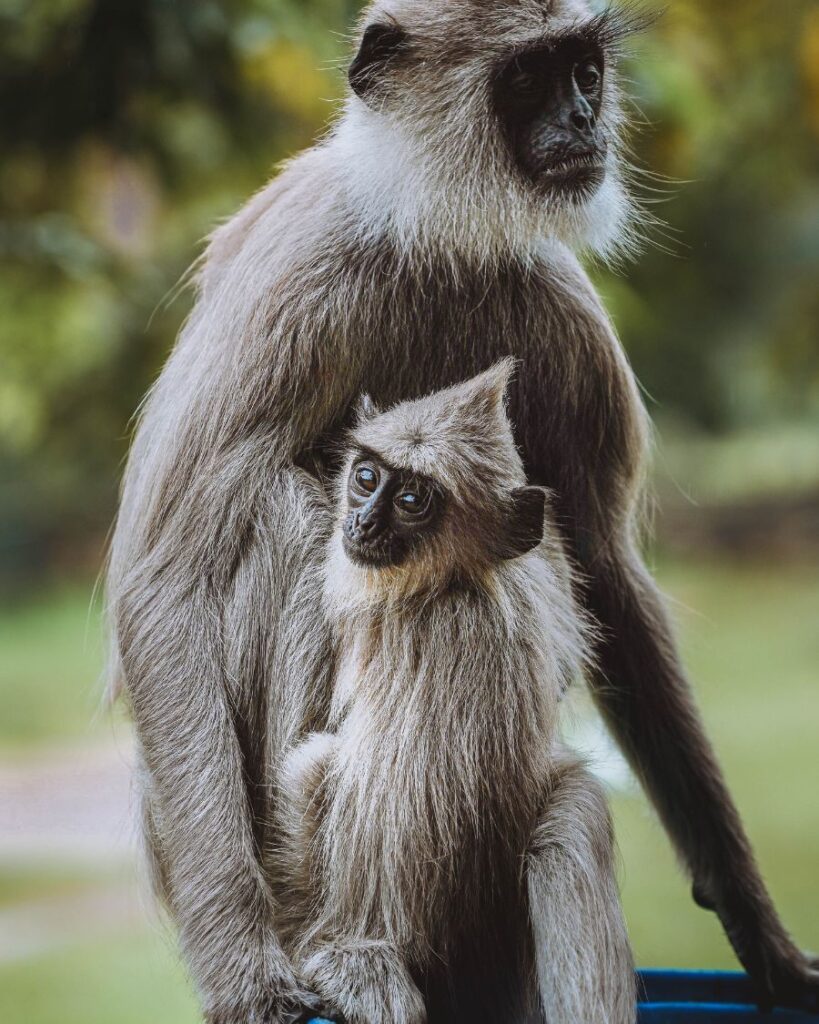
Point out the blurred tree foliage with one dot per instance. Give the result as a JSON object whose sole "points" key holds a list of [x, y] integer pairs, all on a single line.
{"points": [[727, 332], [129, 127]]}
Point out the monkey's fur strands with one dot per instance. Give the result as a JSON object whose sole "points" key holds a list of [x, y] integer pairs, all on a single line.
{"points": [[438, 832], [403, 254]]}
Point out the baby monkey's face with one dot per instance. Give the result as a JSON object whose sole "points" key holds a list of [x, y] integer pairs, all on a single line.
{"points": [[389, 512]]}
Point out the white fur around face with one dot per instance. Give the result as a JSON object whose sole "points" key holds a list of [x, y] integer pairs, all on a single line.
{"points": [[402, 195]]}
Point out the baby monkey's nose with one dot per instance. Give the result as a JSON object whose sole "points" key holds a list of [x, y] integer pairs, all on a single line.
{"points": [[368, 524]]}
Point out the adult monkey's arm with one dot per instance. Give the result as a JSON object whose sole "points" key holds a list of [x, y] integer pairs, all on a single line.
{"points": [[171, 613], [641, 687], [647, 700], [214, 528]]}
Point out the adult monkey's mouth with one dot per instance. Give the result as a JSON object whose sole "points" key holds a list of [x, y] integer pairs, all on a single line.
{"points": [[576, 173]]}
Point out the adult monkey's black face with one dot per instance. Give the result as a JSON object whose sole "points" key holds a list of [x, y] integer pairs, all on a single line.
{"points": [[389, 512], [549, 99]]}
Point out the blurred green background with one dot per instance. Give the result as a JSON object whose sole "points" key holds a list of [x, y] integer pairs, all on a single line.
{"points": [[129, 129]]}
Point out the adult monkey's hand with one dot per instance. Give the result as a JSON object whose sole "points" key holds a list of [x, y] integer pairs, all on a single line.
{"points": [[782, 973]]}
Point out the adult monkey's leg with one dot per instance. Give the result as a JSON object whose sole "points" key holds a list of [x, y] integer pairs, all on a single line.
{"points": [[583, 958], [647, 700], [176, 608]]}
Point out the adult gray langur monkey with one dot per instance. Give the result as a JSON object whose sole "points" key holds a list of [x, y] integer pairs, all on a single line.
{"points": [[430, 233], [444, 860]]}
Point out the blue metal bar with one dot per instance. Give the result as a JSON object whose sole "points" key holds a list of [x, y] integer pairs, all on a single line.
{"points": [[677, 997], [665, 986], [716, 1013], [699, 997]]}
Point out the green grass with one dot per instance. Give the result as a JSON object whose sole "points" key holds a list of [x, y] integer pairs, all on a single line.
{"points": [[126, 980], [752, 646], [51, 658], [21, 883]]}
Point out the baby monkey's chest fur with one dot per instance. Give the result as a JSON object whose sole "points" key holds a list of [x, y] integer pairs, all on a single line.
{"points": [[434, 776]]}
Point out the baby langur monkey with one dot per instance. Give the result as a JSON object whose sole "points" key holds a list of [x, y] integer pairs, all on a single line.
{"points": [[444, 860]]}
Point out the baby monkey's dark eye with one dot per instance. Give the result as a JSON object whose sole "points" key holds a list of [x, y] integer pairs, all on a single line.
{"points": [[367, 479], [587, 75], [412, 503]]}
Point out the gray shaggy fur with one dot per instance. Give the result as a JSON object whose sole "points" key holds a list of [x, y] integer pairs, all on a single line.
{"points": [[400, 255], [438, 842]]}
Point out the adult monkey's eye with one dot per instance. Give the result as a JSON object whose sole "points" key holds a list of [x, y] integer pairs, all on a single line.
{"points": [[522, 82], [367, 479], [587, 75]]}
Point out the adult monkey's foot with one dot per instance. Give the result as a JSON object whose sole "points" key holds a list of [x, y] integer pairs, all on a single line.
{"points": [[285, 1003], [285, 1010], [781, 973], [367, 981], [309, 1015]]}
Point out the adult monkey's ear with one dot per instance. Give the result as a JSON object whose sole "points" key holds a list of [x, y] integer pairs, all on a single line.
{"points": [[382, 43], [524, 526]]}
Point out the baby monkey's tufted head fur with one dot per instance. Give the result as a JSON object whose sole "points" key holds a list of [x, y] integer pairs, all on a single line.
{"points": [[433, 491], [491, 123]]}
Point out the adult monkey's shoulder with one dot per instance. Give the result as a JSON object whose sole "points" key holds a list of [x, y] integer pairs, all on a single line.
{"points": [[583, 425]]}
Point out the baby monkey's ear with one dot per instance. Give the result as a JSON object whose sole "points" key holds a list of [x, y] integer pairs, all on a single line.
{"points": [[366, 410], [524, 522]]}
